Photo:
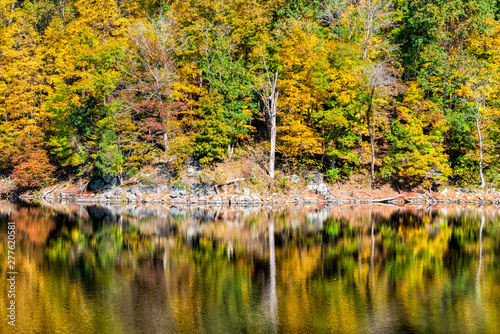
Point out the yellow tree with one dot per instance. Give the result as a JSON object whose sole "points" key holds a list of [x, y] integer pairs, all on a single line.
{"points": [[23, 85], [82, 62], [305, 79]]}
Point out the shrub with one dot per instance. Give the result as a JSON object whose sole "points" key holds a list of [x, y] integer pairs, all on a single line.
{"points": [[33, 169]]}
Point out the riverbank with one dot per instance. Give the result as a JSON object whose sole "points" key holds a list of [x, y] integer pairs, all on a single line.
{"points": [[201, 188]]}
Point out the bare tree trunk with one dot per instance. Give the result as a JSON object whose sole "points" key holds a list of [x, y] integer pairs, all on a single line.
{"points": [[273, 146], [269, 94], [479, 132], [165, 137], [360, 148], [372, 144], [163, 123]]}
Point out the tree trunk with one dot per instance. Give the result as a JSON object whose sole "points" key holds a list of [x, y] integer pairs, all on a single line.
{"points": [[360, 149], [372, 144], [479, 132], [163, 123], [273, 146], [165, 138]]}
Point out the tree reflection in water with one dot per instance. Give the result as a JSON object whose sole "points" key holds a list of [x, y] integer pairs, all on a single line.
{"points": [[105, 269]]}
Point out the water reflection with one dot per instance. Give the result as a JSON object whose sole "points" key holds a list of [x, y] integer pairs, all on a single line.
{"points": [[138, 269]]}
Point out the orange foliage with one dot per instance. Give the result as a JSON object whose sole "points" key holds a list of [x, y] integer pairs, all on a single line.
{"points": [[32, 169]]}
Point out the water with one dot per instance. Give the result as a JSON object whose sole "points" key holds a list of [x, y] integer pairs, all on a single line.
{"points": [[218, 270]]}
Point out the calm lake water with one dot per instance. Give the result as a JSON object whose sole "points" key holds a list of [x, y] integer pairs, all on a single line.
{"points": [[380, 269]]}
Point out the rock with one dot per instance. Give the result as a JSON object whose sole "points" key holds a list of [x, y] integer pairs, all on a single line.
{"points": [[174, 194], [135, 191], [161, 189], [147, 189], [119, 191], [109, 195], [190, 170], [314, 182], [295, 178], [322, 189], [246, 191], [275, 195], [444, 191], [244, 199], [256, 198], [112, 181], [182, 192], [201, 189], [95, 184], [345, 193]]}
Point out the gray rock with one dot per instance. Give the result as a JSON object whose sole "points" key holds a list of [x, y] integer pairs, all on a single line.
{"points": [[190, 170], [135, 191], [322, 189], [112, 181], [314, 182], [246, 191], [95, 184], [201, 189], [444, 191], [244, 199], [295, 179], [119, 190], [345, 193], [161, 189], [256, 198], [174, 194], [147, 189]]}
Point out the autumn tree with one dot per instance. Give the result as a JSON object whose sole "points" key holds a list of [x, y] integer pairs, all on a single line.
{"points": [[267, 88], [150, 66]]}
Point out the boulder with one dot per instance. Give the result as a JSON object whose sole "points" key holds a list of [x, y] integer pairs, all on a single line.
{"points": [[95, 184], [148, 189], [314, 182], [295, 178], [190, 170], [246, 191], [119, 191], [112, 181], [174, 194], [244, 199], [135, 191], [322, 189], [201, 189]]}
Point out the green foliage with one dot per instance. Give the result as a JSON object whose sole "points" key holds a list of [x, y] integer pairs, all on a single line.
{"points": [[96, 87], [211, 139], [109, 160], [333, 174]]}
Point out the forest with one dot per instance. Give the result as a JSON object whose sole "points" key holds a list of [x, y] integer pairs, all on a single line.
{"points": [[396, 90]]}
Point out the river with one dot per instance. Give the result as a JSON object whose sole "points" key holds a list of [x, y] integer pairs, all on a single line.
{"points": [[348, 269]]}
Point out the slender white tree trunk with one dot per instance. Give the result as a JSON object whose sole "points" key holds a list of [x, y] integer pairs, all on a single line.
{"points": [[273, 146], [479, 132], [371, 130]]}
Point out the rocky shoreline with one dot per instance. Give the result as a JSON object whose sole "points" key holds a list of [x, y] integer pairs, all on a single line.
{"points": [[200, 189]]}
